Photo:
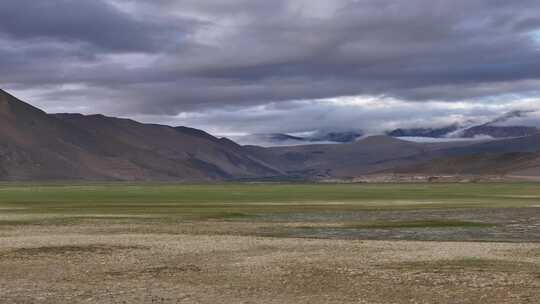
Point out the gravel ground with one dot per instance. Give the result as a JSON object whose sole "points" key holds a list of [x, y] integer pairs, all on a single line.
{"points": [[87, 264], [508, 225]]}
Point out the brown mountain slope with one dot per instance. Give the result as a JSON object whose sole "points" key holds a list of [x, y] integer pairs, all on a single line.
{"points": [[514, 156], [173, 150], [38, 146], [517, 163]]}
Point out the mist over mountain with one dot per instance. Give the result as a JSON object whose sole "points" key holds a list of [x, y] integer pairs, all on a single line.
{"points": [[424, 132], [317, 137]]}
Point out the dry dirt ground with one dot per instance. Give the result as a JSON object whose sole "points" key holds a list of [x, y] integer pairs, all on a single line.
{"points": [[129, 264]]}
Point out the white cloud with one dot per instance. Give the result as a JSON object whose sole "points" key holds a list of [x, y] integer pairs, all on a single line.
{"points": [[367, 114]]}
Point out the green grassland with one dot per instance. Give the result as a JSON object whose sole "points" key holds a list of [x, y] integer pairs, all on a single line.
{"points": [[245, 200], [439, 223]]}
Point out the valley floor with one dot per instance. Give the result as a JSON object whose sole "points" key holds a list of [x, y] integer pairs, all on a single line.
{"points": [[472, 243]]}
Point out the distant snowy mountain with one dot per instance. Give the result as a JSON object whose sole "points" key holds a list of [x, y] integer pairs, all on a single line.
{"points": [[505, 126], [501, 127]]}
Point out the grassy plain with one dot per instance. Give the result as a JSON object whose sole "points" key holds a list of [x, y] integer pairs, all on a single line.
{"points": [[169, 200], [269, 243]]}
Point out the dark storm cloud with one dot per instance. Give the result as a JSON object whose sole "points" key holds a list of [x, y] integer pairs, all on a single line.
{"points": [[95, 22], [165, 57], [387, 47]]}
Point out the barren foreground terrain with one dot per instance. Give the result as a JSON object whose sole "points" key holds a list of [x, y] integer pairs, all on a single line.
{"points": [[82, 266], [98, 244]]}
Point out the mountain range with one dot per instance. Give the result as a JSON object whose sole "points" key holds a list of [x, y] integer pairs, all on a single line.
{"points": [[36, 146], [498, 128]]}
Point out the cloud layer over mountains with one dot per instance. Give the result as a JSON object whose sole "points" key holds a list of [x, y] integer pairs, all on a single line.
{"points": [[242, 66]]}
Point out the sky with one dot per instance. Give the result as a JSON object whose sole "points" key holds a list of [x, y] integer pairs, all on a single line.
{"points": [[290, 66]]}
